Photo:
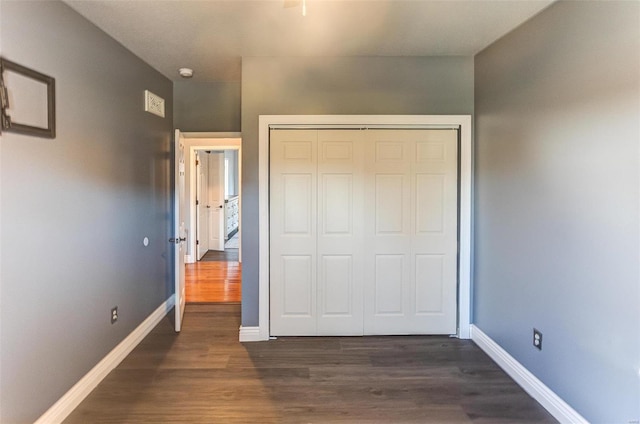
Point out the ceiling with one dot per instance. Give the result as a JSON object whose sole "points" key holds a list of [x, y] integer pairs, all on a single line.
{"points": [[211, 36]]}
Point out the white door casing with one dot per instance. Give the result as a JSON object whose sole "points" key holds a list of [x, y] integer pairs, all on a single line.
{"points": [[179, 230], [207, 141], [216, 201], [202, 204], [358, 250]]}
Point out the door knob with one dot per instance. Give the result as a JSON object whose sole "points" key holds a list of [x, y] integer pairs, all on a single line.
{"points": [[208, 206], [220, 206]]}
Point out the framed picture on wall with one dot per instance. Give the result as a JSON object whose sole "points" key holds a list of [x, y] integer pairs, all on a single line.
{"points": [[28, 100]]}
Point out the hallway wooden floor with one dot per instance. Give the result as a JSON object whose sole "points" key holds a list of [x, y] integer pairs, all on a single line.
{"points": [[216, 278], [204, 375]]}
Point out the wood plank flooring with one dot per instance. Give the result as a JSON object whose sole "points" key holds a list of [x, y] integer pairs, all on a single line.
{"points": [[213, 281], [204, 375], [227, 255]]}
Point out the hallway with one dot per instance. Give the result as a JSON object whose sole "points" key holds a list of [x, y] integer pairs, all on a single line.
{"points": [[216, 278]]}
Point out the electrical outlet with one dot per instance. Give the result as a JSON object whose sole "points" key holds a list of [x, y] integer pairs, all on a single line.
{"points": [[537, 339], [114, 315]]}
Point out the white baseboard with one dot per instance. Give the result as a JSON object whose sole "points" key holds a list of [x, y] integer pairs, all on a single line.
{"points": [[188, 259], [70, 401], [250, 334], [529, 382]]}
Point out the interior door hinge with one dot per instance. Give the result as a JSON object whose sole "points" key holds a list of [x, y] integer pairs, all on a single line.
{"points": [[197, 242], [197, 202]]}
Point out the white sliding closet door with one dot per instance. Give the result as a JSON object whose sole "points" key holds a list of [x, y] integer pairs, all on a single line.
{"points": [[316, 190], [363, 232], [411, 232], [340, 232], [293, 239]]}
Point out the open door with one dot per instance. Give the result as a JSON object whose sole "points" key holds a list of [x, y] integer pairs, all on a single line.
{"points": [[217, 229], [179, 230], [202, 204]]}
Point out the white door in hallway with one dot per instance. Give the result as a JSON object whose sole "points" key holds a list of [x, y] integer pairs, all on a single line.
{"points": [[216, 201], [363, 232], [179, 231], [203, 206]]}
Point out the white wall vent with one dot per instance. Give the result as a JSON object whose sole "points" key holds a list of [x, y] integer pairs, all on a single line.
{"points": [[153, 103]]}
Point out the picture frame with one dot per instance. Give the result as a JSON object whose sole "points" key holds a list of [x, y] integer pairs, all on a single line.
{"points": [[10, 125]]}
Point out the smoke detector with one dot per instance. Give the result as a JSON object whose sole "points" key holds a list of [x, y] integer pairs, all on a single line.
{"points": [[185, 72]]}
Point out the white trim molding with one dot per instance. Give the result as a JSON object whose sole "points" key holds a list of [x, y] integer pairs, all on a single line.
{"points": [[208, 141], [70, 400], [250, 334], [366, 121], [529, 382]]}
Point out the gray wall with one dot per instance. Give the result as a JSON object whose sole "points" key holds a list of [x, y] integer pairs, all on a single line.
{"points": [[201, 106], [557, 107], [75, 209], [298, 86]]}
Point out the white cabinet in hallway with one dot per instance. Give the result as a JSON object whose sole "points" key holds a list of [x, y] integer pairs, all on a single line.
{"points": [[231, 216]]}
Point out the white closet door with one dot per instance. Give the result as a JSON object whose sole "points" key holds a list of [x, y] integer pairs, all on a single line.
{"points": [[363, 232], [411, 232], [340, 232], [293, 223]]}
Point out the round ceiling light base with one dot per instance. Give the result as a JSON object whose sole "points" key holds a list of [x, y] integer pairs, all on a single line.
{"points": [[185, 72]]}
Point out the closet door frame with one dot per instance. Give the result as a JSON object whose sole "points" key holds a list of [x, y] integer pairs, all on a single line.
{"points": [[463, 122]]}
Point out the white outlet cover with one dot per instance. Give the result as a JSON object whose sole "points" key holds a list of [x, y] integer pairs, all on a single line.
{"points": [[153, 103]]}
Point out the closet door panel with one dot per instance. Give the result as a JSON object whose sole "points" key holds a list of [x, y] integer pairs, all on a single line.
{"points": [[387, 231], [430, 284], [411, 232], [435, 231], [340, 232], [297, 286], [337, 285], [293, 229], [389, 296]]}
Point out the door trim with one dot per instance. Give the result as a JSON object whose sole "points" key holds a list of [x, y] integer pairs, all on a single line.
{"points": [[365, 121], [210, 141]]}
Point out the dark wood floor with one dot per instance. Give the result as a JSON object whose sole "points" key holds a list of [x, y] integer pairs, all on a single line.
{"points": [[204, 375], [227, 255]]}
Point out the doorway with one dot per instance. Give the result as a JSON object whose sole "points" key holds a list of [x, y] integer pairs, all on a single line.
{"points": [[213, 260], [216, 205]]}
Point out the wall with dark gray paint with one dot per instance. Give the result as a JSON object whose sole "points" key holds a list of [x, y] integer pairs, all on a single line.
{"points": [[299, 86], [201, 106], [557, 106], [76, 209]]}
